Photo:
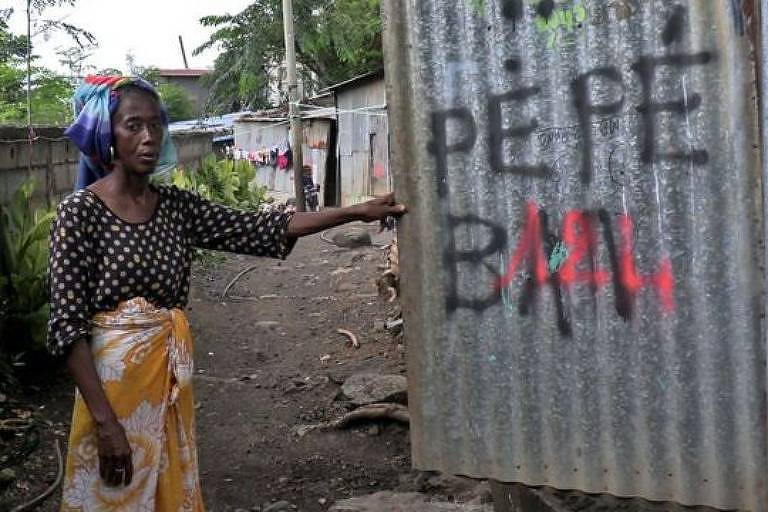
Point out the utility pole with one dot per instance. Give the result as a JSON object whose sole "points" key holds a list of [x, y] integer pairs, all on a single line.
{"points": [[183, 53], [294, 113], [30, 129]]}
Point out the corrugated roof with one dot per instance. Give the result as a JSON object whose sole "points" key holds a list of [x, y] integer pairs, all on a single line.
{"points": [[366, 77], [220, 123]]}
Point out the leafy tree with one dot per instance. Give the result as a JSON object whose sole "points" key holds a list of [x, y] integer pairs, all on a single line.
{"points": [[13, 48], [51, 98], [176, 101], [342, 40], [80, 36], [75, 58], [49, 94], [11, 88], [335, 40], [175, 98]]}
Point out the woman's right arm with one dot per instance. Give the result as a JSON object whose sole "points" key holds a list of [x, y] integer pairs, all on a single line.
{"points": [[70, 275], [115, 461]]}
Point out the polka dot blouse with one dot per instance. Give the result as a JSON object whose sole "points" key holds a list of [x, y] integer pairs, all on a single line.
{"points": [[99, 260]]}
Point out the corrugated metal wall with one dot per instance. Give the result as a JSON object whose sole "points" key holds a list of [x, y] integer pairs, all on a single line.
{"points": [[254, 136], [315, 152], [260, 135], [583, 261], [363, 145]]}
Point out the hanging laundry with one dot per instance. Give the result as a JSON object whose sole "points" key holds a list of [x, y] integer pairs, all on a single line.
{"points": [[263, 156], [284, 156], [283, 161]]}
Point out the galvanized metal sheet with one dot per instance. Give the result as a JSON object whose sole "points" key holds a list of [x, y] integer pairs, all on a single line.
{"points": [[363, 140], [256, 136], [315, 152], [260, 136], [583, 263]]}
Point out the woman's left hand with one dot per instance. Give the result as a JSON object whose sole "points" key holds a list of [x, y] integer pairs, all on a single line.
{"points": [[380, 208]]}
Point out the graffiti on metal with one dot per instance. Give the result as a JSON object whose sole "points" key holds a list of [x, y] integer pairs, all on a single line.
{"points": [[584, 286]]}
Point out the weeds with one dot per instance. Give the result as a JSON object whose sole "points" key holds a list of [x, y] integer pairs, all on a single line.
{"points": [[24, 233], [227, 182]]}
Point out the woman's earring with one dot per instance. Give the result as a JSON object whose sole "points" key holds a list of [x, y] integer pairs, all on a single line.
{"points": [[111, 153]]}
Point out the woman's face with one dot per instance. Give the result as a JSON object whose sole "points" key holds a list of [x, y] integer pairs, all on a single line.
{"points": [[138, 132]]}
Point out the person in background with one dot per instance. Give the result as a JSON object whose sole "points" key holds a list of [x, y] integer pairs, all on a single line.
{"points": [[120, 258]]}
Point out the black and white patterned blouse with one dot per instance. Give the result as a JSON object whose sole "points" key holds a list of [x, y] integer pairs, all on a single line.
{"points": [[98, 260]]}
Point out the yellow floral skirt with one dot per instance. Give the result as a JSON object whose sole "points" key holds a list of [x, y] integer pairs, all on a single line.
{"points": [[143, 356]]}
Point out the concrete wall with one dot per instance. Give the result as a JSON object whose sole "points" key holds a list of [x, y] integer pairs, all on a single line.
{"points": [[54, 163], [54, 160], [194, 88], [191, 147]]}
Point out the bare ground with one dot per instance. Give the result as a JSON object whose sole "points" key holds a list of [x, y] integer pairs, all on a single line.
{"points": [[268, 359]]}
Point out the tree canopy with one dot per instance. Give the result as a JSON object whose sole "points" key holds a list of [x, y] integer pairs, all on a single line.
{"points": [[49, 93], [177, 102], [335, 40]]}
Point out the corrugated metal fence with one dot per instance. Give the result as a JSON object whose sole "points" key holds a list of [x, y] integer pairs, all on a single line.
{"points": [[363, 147], [583, 262]]}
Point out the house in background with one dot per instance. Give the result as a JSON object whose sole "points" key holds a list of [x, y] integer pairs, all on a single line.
{"points": [[263, 132], [362, 150], [216, 131], [346, 141], [191, 81]]}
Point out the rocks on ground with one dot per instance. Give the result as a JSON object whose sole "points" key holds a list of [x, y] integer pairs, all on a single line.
{"points": [[279, 506], [387, 501], [370, 388], [352, 237], [7, 476]]}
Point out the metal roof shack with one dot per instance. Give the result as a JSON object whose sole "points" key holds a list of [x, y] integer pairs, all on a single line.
{"points": [[363, 137], [221, 127], [266, 131]]}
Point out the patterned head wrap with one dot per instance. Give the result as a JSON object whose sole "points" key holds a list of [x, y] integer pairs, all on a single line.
{"points": [[95, 101]]}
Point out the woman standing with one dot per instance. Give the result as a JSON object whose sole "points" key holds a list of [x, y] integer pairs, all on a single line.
{"points": [[121, 253]]}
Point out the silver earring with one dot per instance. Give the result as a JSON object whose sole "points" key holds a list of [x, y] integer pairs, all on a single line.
{"points": [[112, 153]]}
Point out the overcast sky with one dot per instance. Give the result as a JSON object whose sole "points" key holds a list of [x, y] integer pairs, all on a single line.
{"points": [[149, 29]]}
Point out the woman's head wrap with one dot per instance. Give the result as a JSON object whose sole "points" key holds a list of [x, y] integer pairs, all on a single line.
{"points": [[95, 101]]}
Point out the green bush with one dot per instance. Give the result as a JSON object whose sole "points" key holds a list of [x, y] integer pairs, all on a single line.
{"points": [[24, 233], [176, 101], [227, 182]]}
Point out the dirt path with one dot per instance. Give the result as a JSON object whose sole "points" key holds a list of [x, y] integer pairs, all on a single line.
{"points": [[274, 362], [268, 361]]}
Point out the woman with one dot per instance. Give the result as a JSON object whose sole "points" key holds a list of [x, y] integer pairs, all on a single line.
{"points": [[121, 251]]}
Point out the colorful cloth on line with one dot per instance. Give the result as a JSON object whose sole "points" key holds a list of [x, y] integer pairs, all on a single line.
{"points": [[143, 356], [94, 102]]}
